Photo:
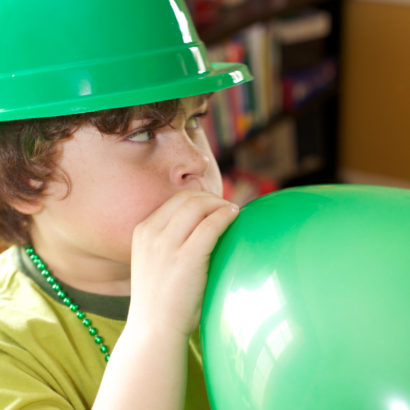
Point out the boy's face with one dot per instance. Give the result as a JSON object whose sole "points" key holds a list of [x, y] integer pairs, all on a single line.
{"points": [[118, 182]]}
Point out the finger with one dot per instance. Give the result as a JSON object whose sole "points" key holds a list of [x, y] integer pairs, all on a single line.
{"points": [[208, 231], [160, 217], [187, 218]]}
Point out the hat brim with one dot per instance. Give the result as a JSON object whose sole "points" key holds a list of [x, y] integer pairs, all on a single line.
{"points": [[220, 76]]}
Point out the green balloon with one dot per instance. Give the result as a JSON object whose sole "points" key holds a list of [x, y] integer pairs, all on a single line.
{"points": [[308, 302]]}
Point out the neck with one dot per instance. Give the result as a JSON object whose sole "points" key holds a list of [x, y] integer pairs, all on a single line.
{"points": [[84, 270]]}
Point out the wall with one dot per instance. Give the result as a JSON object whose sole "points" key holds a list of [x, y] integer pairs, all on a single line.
{"points": [[375, 108]]}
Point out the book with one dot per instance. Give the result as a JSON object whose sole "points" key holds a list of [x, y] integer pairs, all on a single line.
{"points": [[301, 86], [303, 26]]}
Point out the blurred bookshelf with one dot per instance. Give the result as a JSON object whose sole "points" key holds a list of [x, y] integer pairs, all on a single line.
{"points": [[282, 129]]}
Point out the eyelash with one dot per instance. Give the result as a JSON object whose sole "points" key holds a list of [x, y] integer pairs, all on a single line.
{"points": [[151, 133], [201, 114]]}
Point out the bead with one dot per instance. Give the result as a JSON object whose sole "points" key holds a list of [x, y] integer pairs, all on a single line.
{"points": [[42, 268], [61, 294], [98, 340], [80, 315], [74, 307]]}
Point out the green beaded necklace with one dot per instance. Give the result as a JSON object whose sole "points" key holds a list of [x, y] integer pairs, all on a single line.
{"points": [[56, 287]]}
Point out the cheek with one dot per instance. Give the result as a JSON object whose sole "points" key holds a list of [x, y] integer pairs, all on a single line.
{"points": [[126, 203], [115, 218], [214, 176], [104, 218], [113, 200]]}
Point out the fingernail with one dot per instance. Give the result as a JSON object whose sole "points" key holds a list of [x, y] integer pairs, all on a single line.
{"points": [[235, 208]]}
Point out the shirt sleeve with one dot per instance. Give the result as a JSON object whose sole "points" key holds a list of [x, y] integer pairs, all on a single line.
{"points": [[21, 387]]}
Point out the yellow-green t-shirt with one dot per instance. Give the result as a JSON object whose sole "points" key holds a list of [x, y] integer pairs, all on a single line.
{"points": [[48, 360]]}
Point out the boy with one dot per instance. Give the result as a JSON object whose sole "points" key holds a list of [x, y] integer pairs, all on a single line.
{"points": [[111, 197]]}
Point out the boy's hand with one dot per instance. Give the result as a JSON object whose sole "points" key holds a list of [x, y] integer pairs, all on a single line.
{"points": [[170, 256]]}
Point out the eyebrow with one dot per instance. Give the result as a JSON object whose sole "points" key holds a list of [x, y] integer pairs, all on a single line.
{"points": [[202, 98], [198, 101]]}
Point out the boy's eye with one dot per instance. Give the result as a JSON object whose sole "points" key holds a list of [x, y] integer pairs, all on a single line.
{"points": [[194, 122], [140, 136]]}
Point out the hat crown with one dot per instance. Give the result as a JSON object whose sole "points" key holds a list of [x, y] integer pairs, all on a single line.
{"points": [[77, 56]]}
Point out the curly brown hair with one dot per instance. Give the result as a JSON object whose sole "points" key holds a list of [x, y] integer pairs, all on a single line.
{"points": [[28, 153]]}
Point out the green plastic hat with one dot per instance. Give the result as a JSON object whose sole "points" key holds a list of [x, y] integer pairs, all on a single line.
{"points": [[74, 56]]}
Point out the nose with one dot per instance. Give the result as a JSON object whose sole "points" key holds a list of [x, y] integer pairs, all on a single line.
{"points": [[189, 162]]}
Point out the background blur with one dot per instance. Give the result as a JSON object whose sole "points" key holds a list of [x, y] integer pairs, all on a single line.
{"points": [[375, 93], [330, 98]]}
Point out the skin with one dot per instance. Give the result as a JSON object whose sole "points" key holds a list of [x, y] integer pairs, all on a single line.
{"points": [[133, 197]]}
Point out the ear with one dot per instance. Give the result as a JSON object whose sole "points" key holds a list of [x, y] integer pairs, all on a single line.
{"points": [[27, 207]]}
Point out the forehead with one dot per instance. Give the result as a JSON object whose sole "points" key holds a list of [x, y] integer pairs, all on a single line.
{"points": [[195, 101], [165, 111]]}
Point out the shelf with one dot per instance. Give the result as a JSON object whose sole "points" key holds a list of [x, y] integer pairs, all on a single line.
{"points": [[226, 154], [230, 21], [318, 117]]}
